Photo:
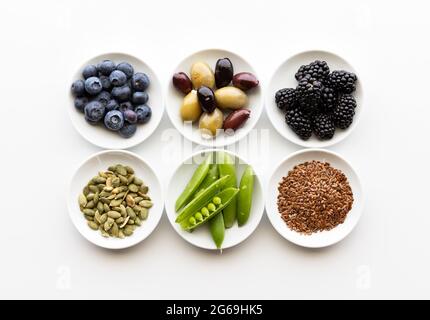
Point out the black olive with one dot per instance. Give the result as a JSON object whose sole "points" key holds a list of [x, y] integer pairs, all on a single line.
{"points": [[223, 72], [207, 99]]}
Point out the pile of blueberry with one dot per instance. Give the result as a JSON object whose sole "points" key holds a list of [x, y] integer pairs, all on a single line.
{"points": [[113, 95]]}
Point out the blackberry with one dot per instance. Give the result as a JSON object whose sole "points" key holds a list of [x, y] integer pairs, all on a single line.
{"points": [[300, 123], [286, 99], [323, 126], [328, 100], [317, 69], [344, 112], [342, 81], [309, 94]]}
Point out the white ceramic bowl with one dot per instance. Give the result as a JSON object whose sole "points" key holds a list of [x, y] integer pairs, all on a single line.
{"points": [[174, 99], [102, 137], [324, 238], [284, 78], [201, 237], [101, 161]]}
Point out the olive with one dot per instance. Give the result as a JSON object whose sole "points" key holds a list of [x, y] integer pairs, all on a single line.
{"points": [[230, 98], [202, 75], [190, 108], [207, 99], [182, 82], [210, 122], [236, 119], [245, 81], [223, 72]]}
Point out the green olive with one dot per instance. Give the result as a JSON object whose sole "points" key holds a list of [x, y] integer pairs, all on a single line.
{"points": [[198, 216], [205, 211], [190, 109], [210, 122], [211, 207], [216, 200], [231, 98], [202, 75]]}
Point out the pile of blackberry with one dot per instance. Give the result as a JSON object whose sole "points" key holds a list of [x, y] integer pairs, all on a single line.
{"points": [[321, 102]]}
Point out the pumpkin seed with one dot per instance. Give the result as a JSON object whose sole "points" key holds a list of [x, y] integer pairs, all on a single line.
{"points": [[144, 196], [123, 210], [115, 230], [86, 191], [99, 180], [82, 200], [88, 212], [131, 213], [130, 221], [115, 203], [138, 199], [93, 225], [124, 180], [96, 198], [120, 220], [144, 189], [129, 169], [88, 218], [143, 214], [115, 182], [100, 207], [137, 181], [105, 207], [90, 197], [121, 170], [97, 217], [103, 218], [109, 183], [130, 201], [128, 231], [105, 201], [104, 233], [121, 234], [114, 214], [112, 168], [124, 223], [93, 188], [137, 221], [133, 188], [120, 195], [130, 179], [146, 203]]}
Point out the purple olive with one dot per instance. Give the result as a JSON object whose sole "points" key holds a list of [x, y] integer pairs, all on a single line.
{"points": [[236, 119], [182, 82], [245, 81], [223, 72], [206, 98]]}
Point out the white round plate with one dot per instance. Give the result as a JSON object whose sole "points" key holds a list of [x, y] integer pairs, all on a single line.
{"points": [[174, 99], [324, 238], [104, 138], [101, 161], [201, 237], [284, 78]]}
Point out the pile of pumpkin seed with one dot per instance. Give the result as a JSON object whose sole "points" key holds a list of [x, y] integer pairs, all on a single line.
{"points": [[115, 202]]}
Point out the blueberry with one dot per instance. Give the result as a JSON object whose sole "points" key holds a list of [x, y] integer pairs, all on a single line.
{"points": [[130, 116], [93, 85], [89, 71], [118, 78], [78, 88], [105, 82], [111, 105], [123, 106], [126, 68], [94, 111], [80, 103], [106, 67], [103, 97], [127, 130], [114, 120], [139, 98], [121, 93], [140, 81], [144, 113]]}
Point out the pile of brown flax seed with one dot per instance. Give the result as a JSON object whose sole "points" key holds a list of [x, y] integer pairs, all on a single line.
{"points": [[314, 197]]}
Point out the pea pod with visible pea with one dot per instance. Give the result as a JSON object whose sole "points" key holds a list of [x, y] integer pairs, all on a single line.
{"points": [[199, 202], [197, 218], [244, 198], [227, 168], [197, 178]]}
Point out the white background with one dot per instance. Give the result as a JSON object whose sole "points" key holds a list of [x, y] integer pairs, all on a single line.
{"points": [[43, 42]]}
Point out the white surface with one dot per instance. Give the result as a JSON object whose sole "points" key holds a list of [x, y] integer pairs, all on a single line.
{"points": [[98, 134], [284, 77], [324, 238], [201, 237], [100, 162], [386, 256], [174, 99]]}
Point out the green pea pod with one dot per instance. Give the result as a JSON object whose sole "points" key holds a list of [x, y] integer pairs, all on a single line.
{"points": [[194, 183], [244, 198], [226, 167], [211, 177], [226, 196], [217, 228], [200, 201]]}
